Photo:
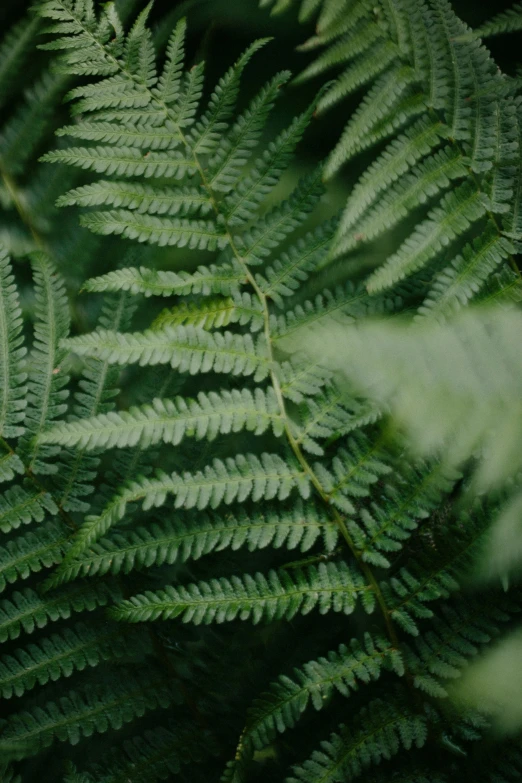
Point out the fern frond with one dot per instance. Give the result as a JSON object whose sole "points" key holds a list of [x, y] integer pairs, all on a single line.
{"points": [[26, 611], [145, 199], [341, 305], [148, 137], [431, 576], [458, 211], [503, 287], [47, 377], [29, 553], [425, 181], [155, 755], [281, 707], [82, 713], [328, 416], [401, 154], [123, 161], [456, 635], [170, 421], [327, 587], [214, 313], [301, 381], [298, 527], [385, 728], [368, 67], [12, 355], [456, 285], [60, 655], [177, 232], [509, 21], [95, 395], [466, 109], [233, 480], [169, 84], [25, 128], [352, 472], [186, 528], [226, 164], [379, 115], [223, 279], [240, 206], [287, 273], [186, 348], [10, 466], [362, 39], [270, 232], [384, 526], [206, 133], [90, 51]]}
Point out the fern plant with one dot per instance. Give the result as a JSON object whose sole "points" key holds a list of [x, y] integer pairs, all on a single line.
{"points": [[171, 460], [448, 120]]}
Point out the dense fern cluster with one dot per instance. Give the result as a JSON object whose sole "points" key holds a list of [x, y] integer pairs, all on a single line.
{"points": [[181, 465]]}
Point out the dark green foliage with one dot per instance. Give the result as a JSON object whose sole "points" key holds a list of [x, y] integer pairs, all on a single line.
{"points": [[245, 536]]}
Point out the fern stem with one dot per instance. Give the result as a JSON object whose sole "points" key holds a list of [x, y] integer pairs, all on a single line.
{"points": [[295, 446]]}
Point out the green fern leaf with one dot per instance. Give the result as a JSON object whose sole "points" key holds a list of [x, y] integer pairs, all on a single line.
{"points": [[183, 347], [233, 480], [224, 279], [169, 84], [385, 729], [60, 655], [214, 313], [148, 137], [314, 683], [178, 232], [22, 134], [240, 205], [432, 175], [171, 542], [27, 554], [459, 210], [330, 587], [401, 154], [509, 21], [455, 286], [144, 199], [92, 52], [286, 274], [352, 472], [364, 129], [456, 635], [12, 355], [26, 611], [384, 526], [170, 421], [13, 50], [10, 466], [47, 378], [82, 713], [281, 221], [123, 161], [226, 164], [21, 505], [205, 135]]}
